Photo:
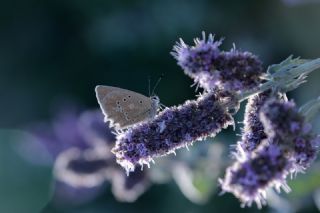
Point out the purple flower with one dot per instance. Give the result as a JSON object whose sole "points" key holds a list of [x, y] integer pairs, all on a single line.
{"points": [[283, 120], [180, 127], [289, 147], [253, 131], [211, 68], [268, 166], [198, 58]]}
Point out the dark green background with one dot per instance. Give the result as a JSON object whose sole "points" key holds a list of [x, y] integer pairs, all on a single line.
{"points": [[55, 52]]}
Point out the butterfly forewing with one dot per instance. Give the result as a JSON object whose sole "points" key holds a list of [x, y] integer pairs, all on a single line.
{"points": [[123, 107]]}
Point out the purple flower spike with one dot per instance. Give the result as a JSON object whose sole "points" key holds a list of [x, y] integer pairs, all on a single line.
{"points": [[253, 131], [289, 147], [211, 68], [240, 70], [284, 121], [198, 58], [248, 179], [172, 129]]}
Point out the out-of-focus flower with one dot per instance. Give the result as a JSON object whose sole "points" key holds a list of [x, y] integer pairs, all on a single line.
{"points": [[173, 128], [81, 145], [61, 134], [91, 168], [212, 68], [94, 130], [129, 188], [83, 168]]}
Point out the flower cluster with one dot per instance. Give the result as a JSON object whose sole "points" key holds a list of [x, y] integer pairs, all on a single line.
{"points": [[212, 68], [172, 129], [289, 146], [276, 138], [248, 179], [282, 120]]}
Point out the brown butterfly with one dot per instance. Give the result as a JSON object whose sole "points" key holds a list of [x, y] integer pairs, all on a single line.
{"points": [[124, 108]]}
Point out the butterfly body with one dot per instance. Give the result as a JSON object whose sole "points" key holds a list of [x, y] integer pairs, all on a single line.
{"points": [[124, 108]]}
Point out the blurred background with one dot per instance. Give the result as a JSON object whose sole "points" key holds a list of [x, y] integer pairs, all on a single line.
{"points": [[53, 54]]}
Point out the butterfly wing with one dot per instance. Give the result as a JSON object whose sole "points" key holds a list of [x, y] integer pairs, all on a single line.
{"points": [[123, 107]]}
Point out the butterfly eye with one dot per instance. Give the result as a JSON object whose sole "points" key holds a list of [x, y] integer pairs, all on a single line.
{"points": [[155, 98]]}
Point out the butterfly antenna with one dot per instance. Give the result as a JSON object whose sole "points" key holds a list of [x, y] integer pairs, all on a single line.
{"points": [[162, 105], [157, 83]]}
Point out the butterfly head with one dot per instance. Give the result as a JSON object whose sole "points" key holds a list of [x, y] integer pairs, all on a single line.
{"points": [[155, 99], [155, 104]]}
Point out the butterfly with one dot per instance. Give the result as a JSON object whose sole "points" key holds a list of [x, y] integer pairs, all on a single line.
{"points": [[124, 108]]}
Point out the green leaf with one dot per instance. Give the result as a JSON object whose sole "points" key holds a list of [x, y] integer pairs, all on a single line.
{"points": [[286, 64]]}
